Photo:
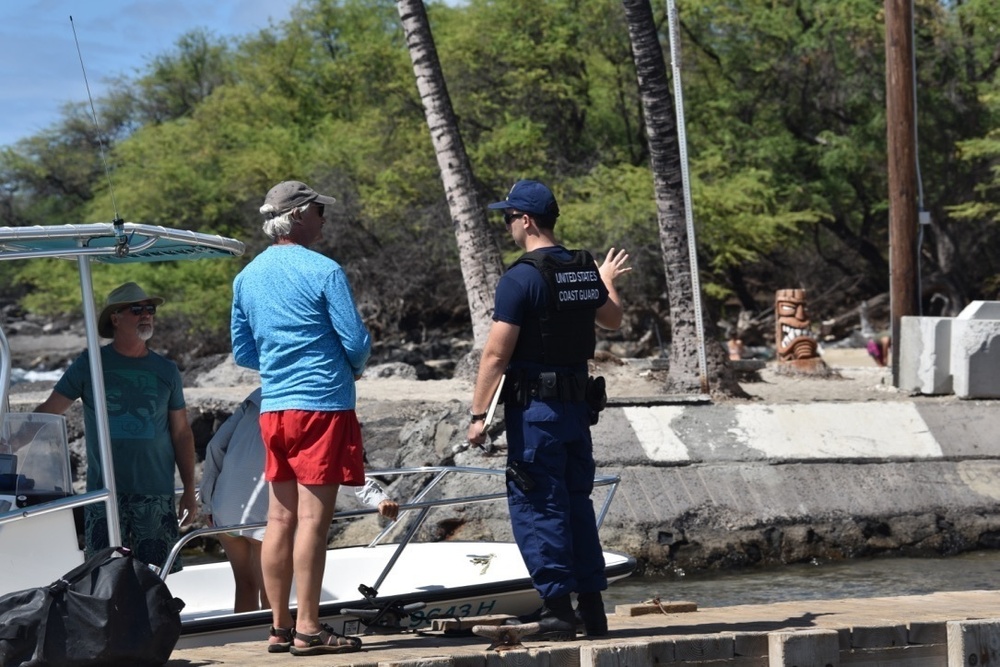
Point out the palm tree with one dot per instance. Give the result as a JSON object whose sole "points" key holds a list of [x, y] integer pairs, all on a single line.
{"points": [[684, 374], [479, 255]]}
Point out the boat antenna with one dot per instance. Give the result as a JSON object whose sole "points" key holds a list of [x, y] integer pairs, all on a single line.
{"points": [[121, 243]]}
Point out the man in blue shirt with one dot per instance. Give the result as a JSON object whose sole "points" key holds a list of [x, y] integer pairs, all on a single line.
{"points": [[542, 336], [294, 320]]}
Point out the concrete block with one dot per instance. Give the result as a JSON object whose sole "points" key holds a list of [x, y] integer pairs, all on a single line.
{"points": [[621, 655], [878, 635], [981, 310], [560, 656], [699, 648], [975, 351], [662, 651], [925, 355], [927, 632], [973, 643], [804, 648], [751, 644]]}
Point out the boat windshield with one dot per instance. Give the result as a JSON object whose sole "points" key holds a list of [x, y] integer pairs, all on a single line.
{"points": [[34, 460]]}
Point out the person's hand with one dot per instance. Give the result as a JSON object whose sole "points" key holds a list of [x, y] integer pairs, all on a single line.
{"points": [[388, 509], [187, 508], [614, 265], [477, 433], [17, 439]]}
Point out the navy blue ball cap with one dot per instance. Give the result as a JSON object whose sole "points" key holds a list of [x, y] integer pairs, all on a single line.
{"points": [[529, 197]]}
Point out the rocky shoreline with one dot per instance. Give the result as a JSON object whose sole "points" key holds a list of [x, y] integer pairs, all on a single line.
{"points": [[673, 517]]}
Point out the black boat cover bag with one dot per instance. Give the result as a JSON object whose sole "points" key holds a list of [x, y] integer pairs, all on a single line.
{"points": [[110, 611]]}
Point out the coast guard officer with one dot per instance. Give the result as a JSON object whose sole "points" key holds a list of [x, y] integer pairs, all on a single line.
{"points": [[542, 335]]}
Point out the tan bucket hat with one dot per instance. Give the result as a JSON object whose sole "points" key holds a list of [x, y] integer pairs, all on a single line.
{"points": [[119, 297]]}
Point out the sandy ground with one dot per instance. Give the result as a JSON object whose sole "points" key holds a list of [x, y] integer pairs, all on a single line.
{"points": [[855, 377]]}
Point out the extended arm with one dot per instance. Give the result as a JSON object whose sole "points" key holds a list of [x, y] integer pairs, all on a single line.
{"points": [[609, 316], [373, 495], [244, 346], [183, 440], [215, 455], [496, 355], [55, 404]]}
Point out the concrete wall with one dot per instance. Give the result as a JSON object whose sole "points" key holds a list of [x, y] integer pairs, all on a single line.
{"points": [[941, 355], [711, 486]]}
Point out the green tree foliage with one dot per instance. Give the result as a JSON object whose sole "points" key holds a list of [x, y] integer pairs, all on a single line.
{"points": [[786, 131]]}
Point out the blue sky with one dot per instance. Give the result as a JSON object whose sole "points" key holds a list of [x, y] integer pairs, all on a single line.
{"points": [[39, 66]]}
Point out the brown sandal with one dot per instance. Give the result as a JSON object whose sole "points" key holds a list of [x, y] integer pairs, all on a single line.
{"points": [[325, 641], [285, 635]]}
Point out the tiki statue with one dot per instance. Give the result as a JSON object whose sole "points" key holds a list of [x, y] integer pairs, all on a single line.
{"points": [[793, 341]]}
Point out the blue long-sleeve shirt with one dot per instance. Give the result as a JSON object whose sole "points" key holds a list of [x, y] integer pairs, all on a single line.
{"points": [[294, 319]]}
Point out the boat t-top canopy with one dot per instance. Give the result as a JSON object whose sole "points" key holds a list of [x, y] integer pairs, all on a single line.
{"points": [[110, 243]]}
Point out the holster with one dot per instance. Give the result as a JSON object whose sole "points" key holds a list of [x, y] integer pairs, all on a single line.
{"points": [[597, 397]]}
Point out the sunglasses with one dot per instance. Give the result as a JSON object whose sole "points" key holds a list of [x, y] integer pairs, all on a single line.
{"points": [[139, 309], [320, 209], [509, 218]]}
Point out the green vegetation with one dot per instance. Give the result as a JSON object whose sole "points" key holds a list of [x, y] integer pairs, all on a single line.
{"points": [[786, 128]]}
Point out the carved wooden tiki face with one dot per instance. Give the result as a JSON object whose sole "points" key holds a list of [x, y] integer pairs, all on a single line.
{"points": [[792, 338]]}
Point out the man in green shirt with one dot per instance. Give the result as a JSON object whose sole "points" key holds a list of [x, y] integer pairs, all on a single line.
{"points": [[148, 424]]}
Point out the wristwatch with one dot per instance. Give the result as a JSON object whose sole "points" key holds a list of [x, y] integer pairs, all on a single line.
{"points": [[477, 416]]}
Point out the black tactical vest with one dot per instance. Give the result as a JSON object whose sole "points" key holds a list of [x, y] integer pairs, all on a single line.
{"points": [[563, 333]]}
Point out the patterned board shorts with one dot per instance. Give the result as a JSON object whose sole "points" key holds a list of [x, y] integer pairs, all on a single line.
{"points": [[148, 527]]}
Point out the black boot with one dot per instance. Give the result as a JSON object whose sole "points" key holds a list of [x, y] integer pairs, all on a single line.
{"points": [[590, 612], [557, 622], [533, 617]]}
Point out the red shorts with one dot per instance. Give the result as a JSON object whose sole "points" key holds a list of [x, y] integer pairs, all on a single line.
{"points": [[313, 448]]}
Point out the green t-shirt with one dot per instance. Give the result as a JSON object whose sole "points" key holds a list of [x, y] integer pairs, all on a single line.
{"points": [[140, 393]]}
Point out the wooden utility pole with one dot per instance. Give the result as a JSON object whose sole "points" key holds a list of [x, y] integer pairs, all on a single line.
{"points": [[902, 154]]}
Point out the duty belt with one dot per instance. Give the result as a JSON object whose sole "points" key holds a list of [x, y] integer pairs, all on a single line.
{"points": [[546, 386]]}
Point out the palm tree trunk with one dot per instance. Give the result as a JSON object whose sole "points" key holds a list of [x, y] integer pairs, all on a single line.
{"points": [[478, 252], [684, 374]]}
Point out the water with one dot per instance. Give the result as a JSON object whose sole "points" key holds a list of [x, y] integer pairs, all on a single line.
{"points": [[22, 375], [857, 578]]}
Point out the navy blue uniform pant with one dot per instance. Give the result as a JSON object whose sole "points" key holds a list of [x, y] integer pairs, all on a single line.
{"points": [[554, 523]]}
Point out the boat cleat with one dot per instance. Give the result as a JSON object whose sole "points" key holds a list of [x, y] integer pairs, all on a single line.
{"points": [[506, 637]]}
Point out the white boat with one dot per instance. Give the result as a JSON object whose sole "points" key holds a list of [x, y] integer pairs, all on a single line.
{"points": [[396, 582]]}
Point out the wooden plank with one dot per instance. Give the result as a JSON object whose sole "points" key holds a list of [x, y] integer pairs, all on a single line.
{"points": [[973, 643], [654, 607], [465, 624], [804, 648]]}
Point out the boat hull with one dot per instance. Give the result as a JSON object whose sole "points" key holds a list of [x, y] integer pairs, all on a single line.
{"points": [[483, 578]]}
